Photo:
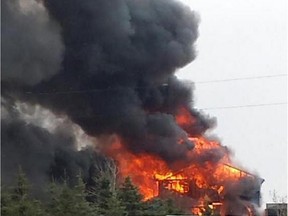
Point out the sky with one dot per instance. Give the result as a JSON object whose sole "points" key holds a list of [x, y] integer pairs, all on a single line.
{"points": [[240, 39]]}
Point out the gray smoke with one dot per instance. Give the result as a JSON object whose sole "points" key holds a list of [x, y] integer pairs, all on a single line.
{"points": [[242, 194], [43, 151], [31, 43], [117, 72]]}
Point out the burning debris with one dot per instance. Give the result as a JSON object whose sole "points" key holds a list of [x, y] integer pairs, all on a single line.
{"points": [[108, 67], [228, 189], [215, 196]]}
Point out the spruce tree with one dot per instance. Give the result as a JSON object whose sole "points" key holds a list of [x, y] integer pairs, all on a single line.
{"points": [[161, 207], [69, 201], [104, 194], [81, 204], [115, 207], [131, 198], [17, 201], [171, 208], [99, 193], [104, 197]]}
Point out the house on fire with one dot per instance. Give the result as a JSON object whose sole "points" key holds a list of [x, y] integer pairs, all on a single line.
{"points": [[187, 193]]}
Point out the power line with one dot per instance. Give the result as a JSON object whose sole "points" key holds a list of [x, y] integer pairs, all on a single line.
{"points": [[209, 108], [243, 106], [243, 78], [165, 84], [229, 107]]}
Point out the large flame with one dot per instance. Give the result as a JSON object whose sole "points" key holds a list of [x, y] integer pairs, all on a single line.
{"points": [[150, 172]]}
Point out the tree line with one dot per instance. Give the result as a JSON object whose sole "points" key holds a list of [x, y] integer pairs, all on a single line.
{"points": [[101, 198]]}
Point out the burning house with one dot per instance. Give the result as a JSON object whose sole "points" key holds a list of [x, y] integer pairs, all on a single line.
{"points": [[227, 189], [186, 188], [108, 69]]}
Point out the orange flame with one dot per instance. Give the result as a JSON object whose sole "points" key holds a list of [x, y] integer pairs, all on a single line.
{"points": [[147, 171], [184, 118]]}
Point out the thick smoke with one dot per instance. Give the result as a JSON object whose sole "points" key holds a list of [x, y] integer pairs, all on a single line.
{"points": [[239, 195], [31, 43], [44, 149], [117, 73]]}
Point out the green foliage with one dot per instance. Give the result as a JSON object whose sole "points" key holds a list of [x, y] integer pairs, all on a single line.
{"points": [[104, 197], [65, 200], [115, 207], [103, 194], [68, 201], [16, 202], [161, 207], [131, 198]]}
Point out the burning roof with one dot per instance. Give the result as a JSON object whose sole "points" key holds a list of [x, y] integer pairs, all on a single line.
{"points": [[212, 195], [194, 182]]}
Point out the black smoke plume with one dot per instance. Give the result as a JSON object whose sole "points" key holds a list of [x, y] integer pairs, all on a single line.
{"points": [[44, 153], [117, 68]]}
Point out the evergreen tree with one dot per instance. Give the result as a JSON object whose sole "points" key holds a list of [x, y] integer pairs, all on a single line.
{"points": [[115, 207], [131, 198], [99, 194], [17, 202], [104, 197], [161, 207], [83, 206], [103, 194], [171, 208], [67, 201]]}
